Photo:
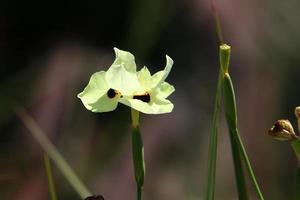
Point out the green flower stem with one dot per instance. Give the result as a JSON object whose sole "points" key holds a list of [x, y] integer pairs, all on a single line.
{"points": [[50, 149], [296, 147], [297, 185], [138, 154], [49, 174], [231, 116]]}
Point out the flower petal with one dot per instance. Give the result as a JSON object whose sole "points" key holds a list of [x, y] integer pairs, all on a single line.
{"points": [[161, 76], [145, 79], [122, 80], [156, 107], [125, 58], [164, 90], [94, 96]]}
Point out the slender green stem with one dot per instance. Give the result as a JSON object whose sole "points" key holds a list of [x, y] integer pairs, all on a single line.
{"points": [[238, 166], [51, 150], [213, 144], [249, 167], [231, 116], [49, 174], [139, 193], [297, 184], [138, 154], [217, 21], [296, 147]]}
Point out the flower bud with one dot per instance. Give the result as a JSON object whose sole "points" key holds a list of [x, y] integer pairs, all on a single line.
{"points": [[282, 130]]}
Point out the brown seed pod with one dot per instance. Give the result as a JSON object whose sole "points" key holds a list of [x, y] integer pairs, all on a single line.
{"points": [[95, 197], [282, 130]]}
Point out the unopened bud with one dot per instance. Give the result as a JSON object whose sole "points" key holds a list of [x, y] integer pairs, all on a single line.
{"points": [[282, 130]]}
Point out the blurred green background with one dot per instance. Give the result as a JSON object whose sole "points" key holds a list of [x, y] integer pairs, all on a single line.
{"points": [[49, 49]]}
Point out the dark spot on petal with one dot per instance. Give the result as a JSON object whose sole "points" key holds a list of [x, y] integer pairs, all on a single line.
{"points": [[144, 97], [111, 93], [95, 197]]}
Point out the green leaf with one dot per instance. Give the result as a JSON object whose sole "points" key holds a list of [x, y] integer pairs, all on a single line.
{"points": [[296, 147], [212, 151], [231, 117], [230, 114], [51, 150], [50, 178], [297, 184]]}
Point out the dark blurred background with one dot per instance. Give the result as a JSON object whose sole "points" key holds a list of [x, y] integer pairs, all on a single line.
{"points": [[49, 49]]}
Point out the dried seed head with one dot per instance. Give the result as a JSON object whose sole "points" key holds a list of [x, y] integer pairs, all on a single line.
{"points": [[282, 130], [95, 197]]}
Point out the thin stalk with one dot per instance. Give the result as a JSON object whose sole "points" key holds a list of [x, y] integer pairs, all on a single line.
{"points": [[297, 184], [213, 140], [231, 116], [49, 174], [53, 153], [213, 144], [138, 154], [238, 166], [296, 147], [217, 22]]}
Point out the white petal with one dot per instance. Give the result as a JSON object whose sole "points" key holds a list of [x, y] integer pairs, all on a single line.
{"points": [[161, 76], [158, 106], [145, 79], [126, 59], [122, 80], [94, 96], [164, 90]]}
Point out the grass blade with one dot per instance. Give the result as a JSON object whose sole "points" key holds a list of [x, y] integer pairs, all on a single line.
{"points": [[296, 147], [50, 149], [49, 174], [212, 151], [231, 116]]}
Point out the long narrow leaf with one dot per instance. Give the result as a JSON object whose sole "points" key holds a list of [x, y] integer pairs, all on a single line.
{"points": [[231, 116], [296, 147], [48, 169], [50, 149], [212, 152]]}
